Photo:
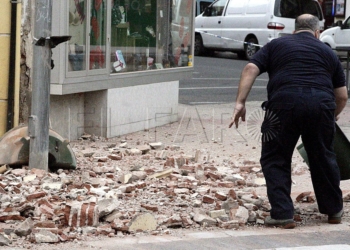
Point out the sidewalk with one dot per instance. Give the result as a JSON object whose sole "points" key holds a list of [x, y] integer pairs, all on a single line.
{"points": [[206, 127], [240, 144], [226, 152]]}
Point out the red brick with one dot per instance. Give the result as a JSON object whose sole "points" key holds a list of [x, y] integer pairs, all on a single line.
{"points": [[214, 176], [36, 196], [232, 194], [11, 216], [67, 210], [48, 211], [221, 196], [226, 184], [74, 218], [241, 182], [44, 224], [91, 213], [301, 196], [208, 199], [153, 208], [83, 214]]}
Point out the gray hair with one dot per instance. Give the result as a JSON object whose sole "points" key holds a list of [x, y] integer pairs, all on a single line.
{"points": [[307, 22]]}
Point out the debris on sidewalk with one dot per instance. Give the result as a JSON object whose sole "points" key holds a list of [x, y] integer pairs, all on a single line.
{"points": [[128, 189]]}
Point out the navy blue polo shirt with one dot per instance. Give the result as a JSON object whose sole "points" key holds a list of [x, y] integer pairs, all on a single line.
{"points": [[299, 60]]}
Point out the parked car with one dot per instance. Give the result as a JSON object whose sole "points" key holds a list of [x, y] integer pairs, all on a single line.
{"points": [[337, 36], [240, 25]]}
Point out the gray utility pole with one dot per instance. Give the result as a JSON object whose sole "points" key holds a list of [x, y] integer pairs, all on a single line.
{"points": [[38, 127]]}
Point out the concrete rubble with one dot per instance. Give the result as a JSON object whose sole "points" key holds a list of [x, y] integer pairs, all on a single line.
{"points": [[119, 189]]}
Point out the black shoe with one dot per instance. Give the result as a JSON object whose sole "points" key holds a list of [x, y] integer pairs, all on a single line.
{"points": [[286, 224], [335, 218]]}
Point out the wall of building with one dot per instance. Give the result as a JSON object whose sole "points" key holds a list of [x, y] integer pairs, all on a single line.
{"points": [[142, 107], [5, 29], [67, 115], [114, 112], [26, 54]]}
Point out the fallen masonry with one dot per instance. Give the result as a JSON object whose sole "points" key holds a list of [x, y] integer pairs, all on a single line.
{"points": [[122, 190]]}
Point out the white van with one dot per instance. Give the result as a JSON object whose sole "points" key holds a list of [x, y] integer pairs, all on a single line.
{"points": [[240, 25]]}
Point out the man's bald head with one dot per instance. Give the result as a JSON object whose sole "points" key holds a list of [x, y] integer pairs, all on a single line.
{"points": [[307, 22]]}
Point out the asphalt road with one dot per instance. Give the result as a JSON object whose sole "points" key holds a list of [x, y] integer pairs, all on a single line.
{"points": [[215, 80]]}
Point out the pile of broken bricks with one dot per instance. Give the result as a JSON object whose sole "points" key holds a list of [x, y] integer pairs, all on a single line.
{"points": [[119, 190]]}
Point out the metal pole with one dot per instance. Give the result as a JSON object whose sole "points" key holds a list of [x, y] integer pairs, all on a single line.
{"points": [[38, 127]]}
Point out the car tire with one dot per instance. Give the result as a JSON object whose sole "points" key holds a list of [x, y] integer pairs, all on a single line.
{"points": [[250, 49], [198, 45]]}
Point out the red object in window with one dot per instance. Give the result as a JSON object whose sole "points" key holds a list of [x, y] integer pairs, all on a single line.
{"points": [[182, 27], [95, 27], [97, 58], [177, 55], [92, 59], [98, 4], [189, 7], [100, 57], [80, 10], [186, 39]]}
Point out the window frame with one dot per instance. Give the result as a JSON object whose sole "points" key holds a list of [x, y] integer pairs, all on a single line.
{"points": [[87, 71], [70, 82]]}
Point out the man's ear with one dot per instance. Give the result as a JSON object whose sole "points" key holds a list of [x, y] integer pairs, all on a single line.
{"points": [[317, 34]]}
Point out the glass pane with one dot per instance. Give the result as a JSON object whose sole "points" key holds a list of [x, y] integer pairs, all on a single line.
{"points": [[347, 24], [77, 29], [133, 35], [181, 35], [203, 5], [98, 19], [294, 8], [310, 7], [150, 34], [218, 8]]}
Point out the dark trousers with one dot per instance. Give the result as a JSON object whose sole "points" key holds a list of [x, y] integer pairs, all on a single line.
{"points": [[291, 113]]}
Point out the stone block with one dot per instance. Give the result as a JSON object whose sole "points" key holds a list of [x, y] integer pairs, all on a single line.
{"points": [[143, 222], [217, 213], [107, 206], [45, 236]]}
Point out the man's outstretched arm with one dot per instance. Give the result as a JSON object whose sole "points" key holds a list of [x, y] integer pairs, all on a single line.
{"points": [[248, 76]]}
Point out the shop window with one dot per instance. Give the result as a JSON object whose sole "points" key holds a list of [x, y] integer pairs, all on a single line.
{"points": [[77, 29], [87, 48], [133, 35], [150, 34], [143, 35], [98, 17]]}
